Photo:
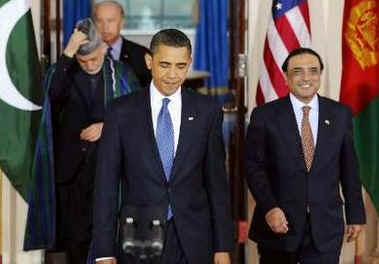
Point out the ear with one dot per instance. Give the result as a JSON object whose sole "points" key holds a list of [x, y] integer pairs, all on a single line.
{"points": [[285, 75], [189, 62], [123, 23], [148, 61]]}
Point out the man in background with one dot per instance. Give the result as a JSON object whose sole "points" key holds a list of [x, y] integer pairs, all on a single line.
{"points": [[109, 17]]}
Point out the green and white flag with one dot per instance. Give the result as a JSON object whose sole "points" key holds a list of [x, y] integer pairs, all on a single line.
{"points": [[26, 148], [20, 93]]}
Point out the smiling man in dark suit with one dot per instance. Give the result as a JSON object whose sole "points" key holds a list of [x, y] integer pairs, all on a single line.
{"points": [[299, 150], [165, 145]]}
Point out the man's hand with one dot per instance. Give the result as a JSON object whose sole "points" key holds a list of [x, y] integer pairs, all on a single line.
{"points": [[352, 232], [77, 39], [92, 133], [277, 221], [222, 258]]}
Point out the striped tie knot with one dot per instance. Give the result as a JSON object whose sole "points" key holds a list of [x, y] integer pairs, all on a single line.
{"points": [[165, 102], [306, 109]]}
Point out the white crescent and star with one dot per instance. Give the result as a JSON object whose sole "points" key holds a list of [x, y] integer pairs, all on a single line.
{"points": [[10, 13]]}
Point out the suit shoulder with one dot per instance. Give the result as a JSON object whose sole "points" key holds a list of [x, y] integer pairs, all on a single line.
{"points": [[329, 101], [135, 47], [204, 101], [125, 103], [337, 106], [271, 106], [197, 95]]}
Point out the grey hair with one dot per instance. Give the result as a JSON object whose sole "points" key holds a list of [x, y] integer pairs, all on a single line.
{"points": [[116, 3], [88, 27]]}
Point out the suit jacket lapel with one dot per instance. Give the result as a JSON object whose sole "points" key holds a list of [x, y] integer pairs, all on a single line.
{"points": [[289, 128], [147, 118], [124, 50], [188, 118], [324, 131]]}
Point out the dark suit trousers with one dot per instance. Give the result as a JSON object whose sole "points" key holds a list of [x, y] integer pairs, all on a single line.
{"points": [[75, 199], [172, 251], [306, 254]]}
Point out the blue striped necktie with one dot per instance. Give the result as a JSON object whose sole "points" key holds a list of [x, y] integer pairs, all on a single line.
{"points": [[165, 141]]}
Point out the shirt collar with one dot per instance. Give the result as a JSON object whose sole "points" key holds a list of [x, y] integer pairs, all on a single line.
{"points": [[117, 45], [156, 96], [298, 105]]}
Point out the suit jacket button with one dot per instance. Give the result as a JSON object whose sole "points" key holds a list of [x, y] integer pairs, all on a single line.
{"points": [[84, 149]]}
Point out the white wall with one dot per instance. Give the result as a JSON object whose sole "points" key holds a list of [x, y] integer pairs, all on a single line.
{"points": [[326, 26]]}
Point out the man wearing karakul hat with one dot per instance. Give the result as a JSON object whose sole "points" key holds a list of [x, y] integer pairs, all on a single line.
{"points": [[80, 86]]}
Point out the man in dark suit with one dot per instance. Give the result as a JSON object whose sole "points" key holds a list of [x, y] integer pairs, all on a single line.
{"points": [[109, 17], [80, 86], [165, 145], [299, 150]]}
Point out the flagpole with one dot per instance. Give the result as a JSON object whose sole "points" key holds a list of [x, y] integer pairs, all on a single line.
{"points": [[1, 216]]}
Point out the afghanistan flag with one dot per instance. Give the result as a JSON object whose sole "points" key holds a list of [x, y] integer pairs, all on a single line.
{"points": [[360, 85], [24, 159]]}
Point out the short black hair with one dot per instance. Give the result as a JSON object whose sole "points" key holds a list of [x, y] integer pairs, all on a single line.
{"points": [[300, 51], [170, 37]]}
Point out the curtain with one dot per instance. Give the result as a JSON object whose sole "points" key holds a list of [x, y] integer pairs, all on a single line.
{"points": [[13, 213], [212, 47], [74, 10]]}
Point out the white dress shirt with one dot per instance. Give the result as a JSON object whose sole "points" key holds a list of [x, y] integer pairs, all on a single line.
{"points": [[174, 108], [297, 106]]}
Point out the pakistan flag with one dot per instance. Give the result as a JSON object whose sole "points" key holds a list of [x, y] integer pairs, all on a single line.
{"points": [[24, 135]]}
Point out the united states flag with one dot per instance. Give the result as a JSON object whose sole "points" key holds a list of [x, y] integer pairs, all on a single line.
{"points": [[288, 29]]}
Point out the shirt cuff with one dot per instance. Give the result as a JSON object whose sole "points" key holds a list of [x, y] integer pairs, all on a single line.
{"points": [[106, 258]]}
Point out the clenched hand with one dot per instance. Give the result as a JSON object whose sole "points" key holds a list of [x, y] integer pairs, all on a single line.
{"points": [[92, 133], [277, 221]]}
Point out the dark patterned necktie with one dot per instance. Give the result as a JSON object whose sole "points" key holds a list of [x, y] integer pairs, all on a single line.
{"points": [[109, 53], [307, 138], [165, 141]]}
